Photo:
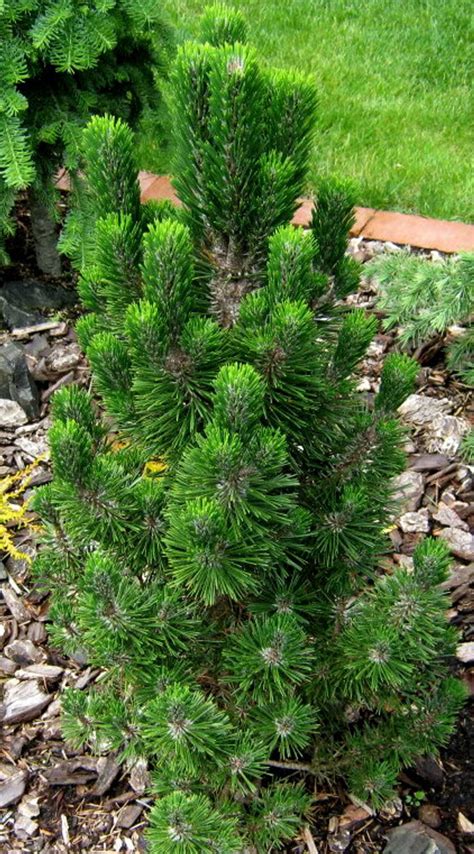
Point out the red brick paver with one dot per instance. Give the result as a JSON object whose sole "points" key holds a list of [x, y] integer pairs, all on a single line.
{"points": [[404, 229], [420, 231]]}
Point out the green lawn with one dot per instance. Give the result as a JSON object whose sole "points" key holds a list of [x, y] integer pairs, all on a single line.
{"points": [[395, 87]]}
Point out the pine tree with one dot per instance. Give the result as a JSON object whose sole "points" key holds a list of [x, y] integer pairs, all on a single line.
{"points": [[220, 557], [60, 62]]}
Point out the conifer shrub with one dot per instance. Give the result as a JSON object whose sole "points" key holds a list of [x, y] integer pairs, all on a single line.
{"points": [[61, 61], [424, 298], [221, 559]]}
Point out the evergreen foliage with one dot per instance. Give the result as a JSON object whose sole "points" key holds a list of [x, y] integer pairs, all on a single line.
{"points": [[60, 62], [425, 298], [221, 561]]}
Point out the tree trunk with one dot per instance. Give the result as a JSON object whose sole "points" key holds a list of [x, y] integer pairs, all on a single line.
{"points": [[44, 235]]}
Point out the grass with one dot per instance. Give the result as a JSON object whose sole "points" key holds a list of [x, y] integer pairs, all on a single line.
{"points": [[394, 79]]}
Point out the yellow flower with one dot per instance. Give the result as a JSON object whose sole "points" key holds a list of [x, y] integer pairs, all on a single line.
{"points": [[153, 467]]}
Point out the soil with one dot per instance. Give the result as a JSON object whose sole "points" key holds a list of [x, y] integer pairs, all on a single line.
{"points": [[78, 803]]}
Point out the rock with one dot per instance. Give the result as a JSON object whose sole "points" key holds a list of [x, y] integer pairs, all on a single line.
{"points": [[24, 825], [47, 672], [459, 575], [4, 633], [419, 409], [417, 838], [465, 652], [406, 562], [430, 771], [7, 666], [464, 825], [428, 462], [63, 358], [24, 652], [460, 543], [391, 809], [33, 449], [412, 522], [340, 841], [36, 346], [53, 710], [139, 776], [11, 413], [37, 632], [29, 807], [22, 701], [22, 303], [375, 349], [76, 771], [447, 516], [16, 383], [14, 604], [352, 816], [12, 788], [430, 814], [108, 769], [129, 815], [446, 433], [376, 247], [408, 488], [364, 385]]}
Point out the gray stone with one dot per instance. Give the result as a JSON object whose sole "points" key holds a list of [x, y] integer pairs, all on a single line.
{"points": [[24, 825], [417, 838], [446, 433], [16, 382], [48, 672], [76, 771], [63, 358], [465, 652], [29, 806], [460, 543], [429, 462], [107, 769], [14, 604], [415, 522], [33, 449], [419, 409], [139, 776], [408, 490], [11, 413], [12, 788], [15, 317], [447, 516], [22, 701], [24, 652], [129, 815], [23, 302], [430, 814], [7, 666]]}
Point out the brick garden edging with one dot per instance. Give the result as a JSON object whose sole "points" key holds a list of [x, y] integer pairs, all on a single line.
{"points": [[404, 229]]}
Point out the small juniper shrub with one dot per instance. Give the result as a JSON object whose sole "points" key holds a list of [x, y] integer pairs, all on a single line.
{"points": [[221, 562], [425, 298]]}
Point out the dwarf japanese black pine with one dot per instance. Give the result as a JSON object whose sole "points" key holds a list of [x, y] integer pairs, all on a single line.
{"points": [[219, 534], [61, 61]]}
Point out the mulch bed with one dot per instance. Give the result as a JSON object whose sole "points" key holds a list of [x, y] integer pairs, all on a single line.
{"points": [[67, 801]]}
